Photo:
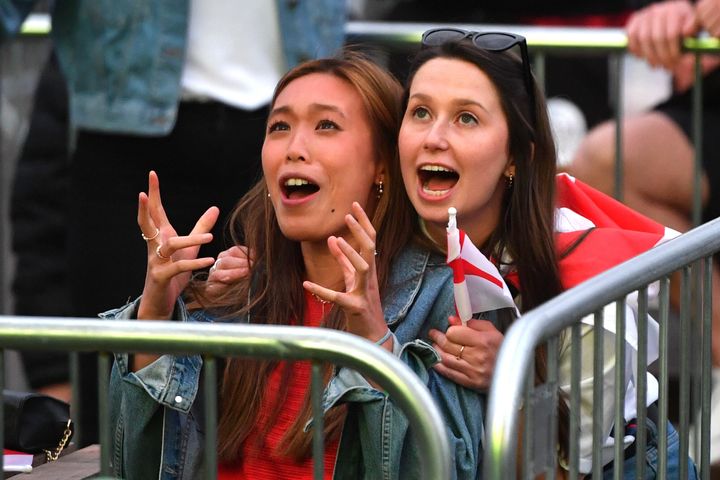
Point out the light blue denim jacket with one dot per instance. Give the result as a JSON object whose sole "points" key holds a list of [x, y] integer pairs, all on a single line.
{"points": [[123, 59], [157, 415]]}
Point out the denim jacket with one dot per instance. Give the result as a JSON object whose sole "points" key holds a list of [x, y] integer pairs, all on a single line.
{"points": [[123, 59], [159, 425]]}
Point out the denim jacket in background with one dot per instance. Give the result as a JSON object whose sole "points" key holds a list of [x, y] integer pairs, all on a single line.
{"points": [[123, 59], [157, 416]]}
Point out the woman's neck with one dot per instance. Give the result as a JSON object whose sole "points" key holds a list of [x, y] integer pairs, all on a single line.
{"points": [[321, 267], [437, 234]]}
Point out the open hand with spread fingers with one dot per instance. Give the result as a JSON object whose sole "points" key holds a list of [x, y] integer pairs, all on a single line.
{"points": [[171, 258], [468, 353], [361, 298]]}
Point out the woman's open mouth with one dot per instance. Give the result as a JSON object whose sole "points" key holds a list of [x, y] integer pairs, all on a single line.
{"points": [[436, 180], [298, 189]]}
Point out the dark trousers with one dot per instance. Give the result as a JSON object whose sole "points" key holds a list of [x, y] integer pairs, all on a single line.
{"points": [[212, 157]]}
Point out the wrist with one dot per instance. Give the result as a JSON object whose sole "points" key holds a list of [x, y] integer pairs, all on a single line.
{"points": [[382, 340]]}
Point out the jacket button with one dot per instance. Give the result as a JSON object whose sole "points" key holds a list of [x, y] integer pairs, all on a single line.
{"points": [[292, 3], [178, 399]]}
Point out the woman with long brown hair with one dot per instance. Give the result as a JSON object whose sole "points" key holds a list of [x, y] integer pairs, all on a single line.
{"points": [[319, 260], [476, 136]]}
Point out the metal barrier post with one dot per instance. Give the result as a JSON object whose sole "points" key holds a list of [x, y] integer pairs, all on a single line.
{"points": [[566, 310], [210, 392], [259, 341], [104, 413]]}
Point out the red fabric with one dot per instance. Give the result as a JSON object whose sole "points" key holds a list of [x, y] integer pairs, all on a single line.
{"points": [[260, 460], [590, 20], [619, 233]]}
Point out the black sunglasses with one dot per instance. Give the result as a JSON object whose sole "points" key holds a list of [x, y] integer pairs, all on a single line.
{"points": [[490, 41]]}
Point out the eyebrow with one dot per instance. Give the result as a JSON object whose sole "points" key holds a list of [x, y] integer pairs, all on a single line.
{"points": [[314, 107], [461, 102]]}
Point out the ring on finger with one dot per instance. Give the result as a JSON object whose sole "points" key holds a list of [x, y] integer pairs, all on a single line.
{"points": [[459, 355], [160, 255], [152, 237]]}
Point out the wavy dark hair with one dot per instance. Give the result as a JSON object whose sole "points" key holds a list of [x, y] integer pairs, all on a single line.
{"points": [[526, 227], [273, 292]]}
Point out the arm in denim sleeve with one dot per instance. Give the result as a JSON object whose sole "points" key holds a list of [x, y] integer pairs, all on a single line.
{"points": [[171, 380], [376, 439]]}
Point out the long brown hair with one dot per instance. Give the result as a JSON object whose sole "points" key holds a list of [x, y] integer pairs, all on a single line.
{"points": [[525, 231], [273, 292]]}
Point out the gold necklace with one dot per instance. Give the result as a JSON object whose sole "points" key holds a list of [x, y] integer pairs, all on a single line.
{"points": [[323, 302]]}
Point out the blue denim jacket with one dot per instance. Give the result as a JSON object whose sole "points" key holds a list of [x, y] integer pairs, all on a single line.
{"points": [[123, 59], [158, 422]]}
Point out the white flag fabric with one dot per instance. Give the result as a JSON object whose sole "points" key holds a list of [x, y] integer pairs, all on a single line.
{"points": [[478, 285]]}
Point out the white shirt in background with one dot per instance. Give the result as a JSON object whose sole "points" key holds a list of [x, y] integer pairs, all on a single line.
{"points": [[234, 52]]}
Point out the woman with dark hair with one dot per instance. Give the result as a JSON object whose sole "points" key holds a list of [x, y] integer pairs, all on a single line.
{"points": [[476, 136], [319, 260]]}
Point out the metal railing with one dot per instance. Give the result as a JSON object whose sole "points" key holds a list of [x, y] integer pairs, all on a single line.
{"points": [[690, 253], [562, 312], [257, 341]]}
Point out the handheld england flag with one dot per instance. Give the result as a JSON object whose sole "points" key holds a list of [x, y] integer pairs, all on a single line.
{"points": [[478, 285]]}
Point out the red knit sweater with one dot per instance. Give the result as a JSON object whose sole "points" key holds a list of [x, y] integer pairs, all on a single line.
{"points": [[260, 459]]}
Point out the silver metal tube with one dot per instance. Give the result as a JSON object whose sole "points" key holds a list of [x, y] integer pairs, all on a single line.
{"points": [[704, 423], [261, 341], [641, 378], [528, 466], [617, 83], [664, 377], [316, 388], [697, 115], [552, 380], [210, 393], [103, 364], [685, 325], [598, 364], [575, 366], [619, 423], [561, 312]]}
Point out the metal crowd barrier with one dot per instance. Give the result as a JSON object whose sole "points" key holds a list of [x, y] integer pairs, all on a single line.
{"points": [[221, 340], [512, 395], [691, 253]]}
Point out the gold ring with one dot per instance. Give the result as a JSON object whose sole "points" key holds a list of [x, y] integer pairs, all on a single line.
{"points": [[163, 257], [459, 355], [147, 239]]}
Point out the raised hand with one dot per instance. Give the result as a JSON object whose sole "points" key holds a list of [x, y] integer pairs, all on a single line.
{"points": [[468, 352], [361, 298], [171, 258], [655, 32]]}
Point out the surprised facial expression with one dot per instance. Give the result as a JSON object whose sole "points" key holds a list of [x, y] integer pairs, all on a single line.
{"points": [[318, 156], [453, 147]]}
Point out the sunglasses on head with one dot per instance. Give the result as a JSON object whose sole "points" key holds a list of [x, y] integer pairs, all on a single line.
{"points": [[490, 41]]}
